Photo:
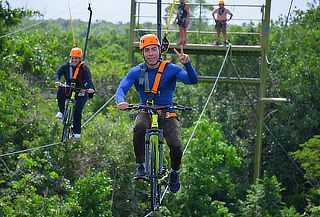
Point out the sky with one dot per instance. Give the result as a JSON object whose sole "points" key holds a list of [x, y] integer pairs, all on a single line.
{"points": [[116, 11]]}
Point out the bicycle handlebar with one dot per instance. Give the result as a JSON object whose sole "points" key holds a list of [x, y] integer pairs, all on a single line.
{"points": [[74, 88], [158, 107]]}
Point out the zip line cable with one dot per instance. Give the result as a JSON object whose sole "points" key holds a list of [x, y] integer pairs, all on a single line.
{"points": [[30, 149], [57, 143], [281, 38], [104, 105]]}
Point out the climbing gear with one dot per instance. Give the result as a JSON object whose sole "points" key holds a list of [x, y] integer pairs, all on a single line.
{"points": [[74, 77], [158, 76], [76, 52], [166, 114], [148, 39], [221, 2], [165, 42], [144, 80]]}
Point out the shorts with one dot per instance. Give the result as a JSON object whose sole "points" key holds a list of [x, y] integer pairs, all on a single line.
{"points": [[221, 26], [182, 23]]}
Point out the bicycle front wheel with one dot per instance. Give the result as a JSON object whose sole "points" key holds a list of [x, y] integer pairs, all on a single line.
{"points": [[67, 123], [153, 178]]}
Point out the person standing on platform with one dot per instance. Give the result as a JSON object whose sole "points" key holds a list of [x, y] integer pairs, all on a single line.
{"points": [[220, 16], [183, 20]]}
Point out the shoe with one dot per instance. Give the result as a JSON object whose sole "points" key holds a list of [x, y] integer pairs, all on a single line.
{"points": [[216, 43], [174, 182], [76, 135], [225, 43], [184, 42], [59, 115], [140, 173], [180, 42]]}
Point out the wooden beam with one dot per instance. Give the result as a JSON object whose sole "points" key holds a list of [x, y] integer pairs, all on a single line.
{"points": [[273, 99]]}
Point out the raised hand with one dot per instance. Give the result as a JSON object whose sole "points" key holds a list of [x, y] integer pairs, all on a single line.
{"points": [[184, 58]]}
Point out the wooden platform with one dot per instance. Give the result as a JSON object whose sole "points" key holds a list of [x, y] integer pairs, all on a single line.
{"points": [[236, 50]]}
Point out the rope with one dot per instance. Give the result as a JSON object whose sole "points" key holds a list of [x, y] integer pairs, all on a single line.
{"points": [[104, 105], [30, 149], [170, 16], [281, 38], [71, 24]]}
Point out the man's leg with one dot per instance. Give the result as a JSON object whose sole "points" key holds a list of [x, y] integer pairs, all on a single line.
{"points": [[171, 132], [142, 122], [81, 101], [61, 98]]}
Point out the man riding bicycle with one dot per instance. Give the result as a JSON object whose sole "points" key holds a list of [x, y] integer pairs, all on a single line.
{"points": [[76, 74], [147, 73]]}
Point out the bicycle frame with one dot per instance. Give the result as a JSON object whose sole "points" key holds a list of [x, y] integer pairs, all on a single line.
{"points": [[154, 158], [68, 118], [155, 170]]}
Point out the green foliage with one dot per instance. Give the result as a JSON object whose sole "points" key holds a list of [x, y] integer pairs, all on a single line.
{"points": [[206, 177], [309, 157], [264, 199], [92, 193]]}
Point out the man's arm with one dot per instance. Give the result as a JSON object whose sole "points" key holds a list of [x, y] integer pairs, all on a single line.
{"points": [[123, 88], [231, 15], [213, 13], [188, 76], [57, 75]]}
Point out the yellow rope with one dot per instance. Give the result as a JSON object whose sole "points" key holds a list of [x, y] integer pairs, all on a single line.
{"points": [[170, 16], [71, 24]]}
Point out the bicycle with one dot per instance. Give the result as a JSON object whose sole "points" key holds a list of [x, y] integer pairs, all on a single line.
{"points": [[156, 172], [67, 121]]}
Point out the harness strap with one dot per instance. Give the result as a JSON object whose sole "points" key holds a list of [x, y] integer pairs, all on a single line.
{"points": [[77, 70], [158, 76]]}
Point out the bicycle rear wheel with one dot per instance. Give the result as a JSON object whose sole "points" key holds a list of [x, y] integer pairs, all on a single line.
{"points": [[67, 123]]}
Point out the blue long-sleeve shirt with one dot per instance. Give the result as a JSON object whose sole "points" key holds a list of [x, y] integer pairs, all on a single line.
{"points": [[167, 85]]}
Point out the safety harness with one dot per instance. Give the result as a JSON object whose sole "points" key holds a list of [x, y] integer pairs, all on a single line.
{"points": [[73, 76], [144, 80]]}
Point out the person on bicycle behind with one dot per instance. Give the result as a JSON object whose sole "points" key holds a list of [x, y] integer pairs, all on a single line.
{"points": [[76, 74], [151, 51]]}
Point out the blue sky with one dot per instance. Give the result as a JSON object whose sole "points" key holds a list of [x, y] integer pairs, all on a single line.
{"points": [[119, 10]]}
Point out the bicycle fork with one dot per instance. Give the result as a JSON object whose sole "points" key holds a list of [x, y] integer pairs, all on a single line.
{"points": [[155, 138]]}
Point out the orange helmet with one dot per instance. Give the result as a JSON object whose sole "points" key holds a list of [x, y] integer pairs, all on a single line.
{"points": [[221, 2], [76, 52], [148, 39]]}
